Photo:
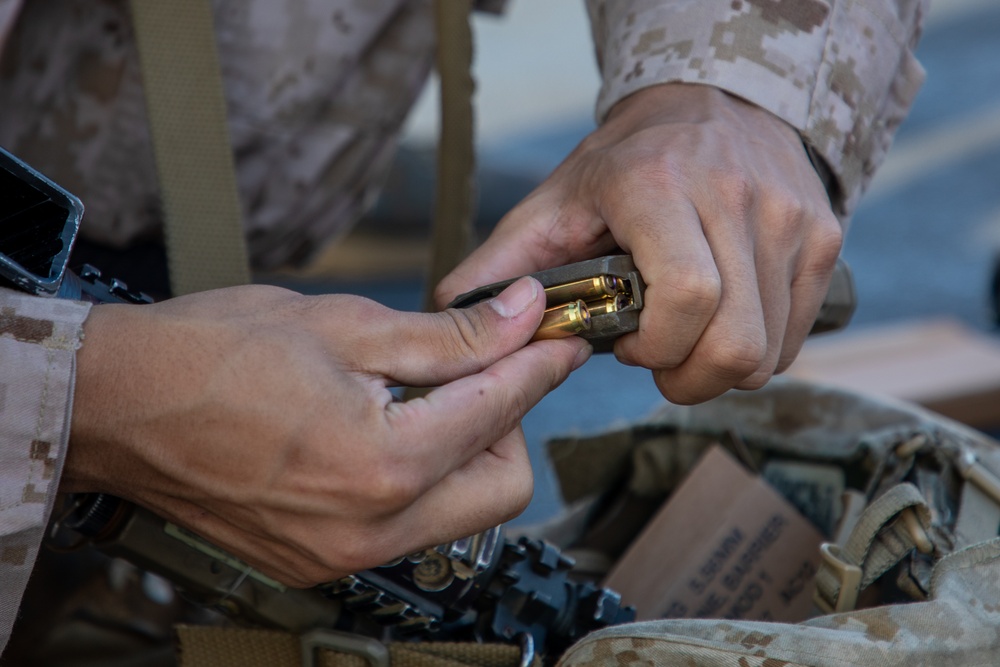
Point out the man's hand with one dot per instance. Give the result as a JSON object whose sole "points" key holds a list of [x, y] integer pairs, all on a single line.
{"points": [[262, 420], [725, 217]]}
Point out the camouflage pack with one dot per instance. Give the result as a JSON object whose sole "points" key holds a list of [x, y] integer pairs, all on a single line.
{"points": [[911, 580]]}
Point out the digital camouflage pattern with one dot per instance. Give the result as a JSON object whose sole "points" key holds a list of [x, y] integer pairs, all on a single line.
{"points": [[38, 342], [316, 92], [842, 72], [956, 625]]}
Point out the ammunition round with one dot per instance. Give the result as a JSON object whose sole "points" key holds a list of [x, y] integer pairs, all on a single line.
{"points": [[589, 289], [562, 321], [602, 307], [612, 305]]}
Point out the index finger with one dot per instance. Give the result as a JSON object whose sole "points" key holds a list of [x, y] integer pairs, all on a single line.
{"points": [[683, 285], [455, 422]]}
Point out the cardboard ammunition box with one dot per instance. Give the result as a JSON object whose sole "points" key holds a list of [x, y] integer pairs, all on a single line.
{"points": [[723, 545]]}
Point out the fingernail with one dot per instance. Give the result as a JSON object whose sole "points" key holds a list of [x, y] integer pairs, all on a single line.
{"points": [[583, 355], [516, 299]]}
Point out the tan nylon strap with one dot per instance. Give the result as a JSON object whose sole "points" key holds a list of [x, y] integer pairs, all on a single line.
{"points": [[879, 540], [201, 646], [979, 509], [455, 187], [187, 119], [978, 517]]}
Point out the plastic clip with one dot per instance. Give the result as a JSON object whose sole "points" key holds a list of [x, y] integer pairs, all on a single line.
{"points": [[849, 577], [372, 650], [911, 523]]}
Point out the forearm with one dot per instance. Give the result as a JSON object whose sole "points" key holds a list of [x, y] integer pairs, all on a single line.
{"points": [[38, 342], [842, 73]]}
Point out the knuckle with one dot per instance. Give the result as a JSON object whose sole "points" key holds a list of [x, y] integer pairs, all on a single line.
{"points": [[756, 380], [695, 291], [520, 402], [790, 210], [785, 361], [680, 393], [829, 241], [516, 398], [786, 207], [462, 333], [736, 188], [443, 292], [658, 353], [390, 489], [737, 356]]}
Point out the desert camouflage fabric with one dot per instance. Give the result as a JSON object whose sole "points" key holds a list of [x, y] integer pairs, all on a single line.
{"points": [[317, 91], [38, 342], [955, 625], [842, 72]]}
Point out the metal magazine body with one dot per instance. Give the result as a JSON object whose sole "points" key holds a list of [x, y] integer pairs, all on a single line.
{"points": [[602, 299], [610, 288]]}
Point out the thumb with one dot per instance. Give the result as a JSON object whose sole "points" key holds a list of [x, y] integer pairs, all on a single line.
{"points": [[430, 349]]}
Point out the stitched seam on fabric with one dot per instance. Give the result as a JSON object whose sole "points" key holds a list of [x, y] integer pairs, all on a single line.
{"points": [[816, 79], [60, 341], [985, 558]]}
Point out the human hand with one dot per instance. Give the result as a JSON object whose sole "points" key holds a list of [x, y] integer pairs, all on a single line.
{"points": [[262, 420], [725, 218]]}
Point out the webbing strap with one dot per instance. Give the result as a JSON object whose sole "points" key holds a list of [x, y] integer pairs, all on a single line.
{"points": [[201, 646], [978, 517], [455, 192], [884, 534], [187, 119], [979, 510], [455, 187]]}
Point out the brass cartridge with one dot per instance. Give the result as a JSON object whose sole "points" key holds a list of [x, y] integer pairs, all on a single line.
{"points": [[563, 321], [610, 305], [586, 290]]}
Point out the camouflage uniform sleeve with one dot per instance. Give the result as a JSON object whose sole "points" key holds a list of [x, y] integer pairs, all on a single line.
{"points": [[38, 342], [841, 72]]}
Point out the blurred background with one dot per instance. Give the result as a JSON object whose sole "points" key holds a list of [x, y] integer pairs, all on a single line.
{"points": [[922, 245]]}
